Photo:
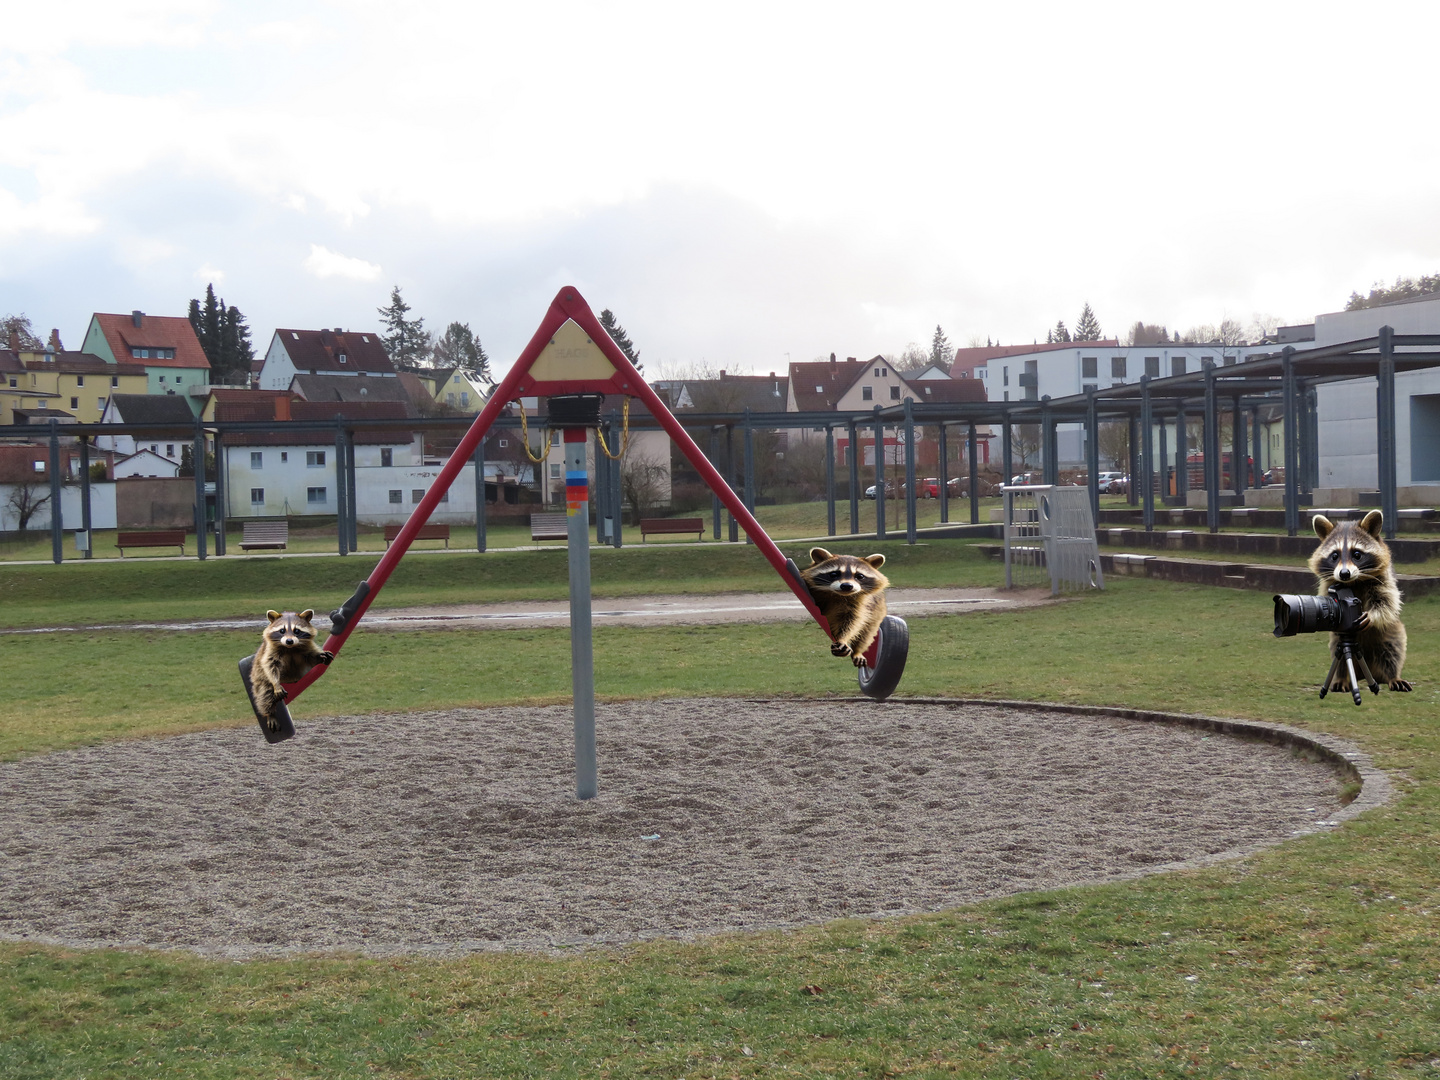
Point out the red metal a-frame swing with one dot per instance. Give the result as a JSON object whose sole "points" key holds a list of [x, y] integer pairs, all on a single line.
{"points": [[572, 359]]}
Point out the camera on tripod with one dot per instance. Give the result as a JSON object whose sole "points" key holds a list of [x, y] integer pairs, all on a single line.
{"points": [[1341, 614]]}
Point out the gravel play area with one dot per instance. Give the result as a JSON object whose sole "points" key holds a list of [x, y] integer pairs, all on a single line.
{"points": [[452, 832]]}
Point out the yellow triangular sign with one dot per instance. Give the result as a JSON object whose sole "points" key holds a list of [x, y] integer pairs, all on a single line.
{"points": [[570, 355]]}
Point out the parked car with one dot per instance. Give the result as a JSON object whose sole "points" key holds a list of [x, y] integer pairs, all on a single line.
{"points": [[1026, 478], [929, 488], [959, 487], [1114, 483]]}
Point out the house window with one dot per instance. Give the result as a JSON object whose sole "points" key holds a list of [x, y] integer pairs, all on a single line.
{"points": [[257, 459], [445, 496], [1177, 365], [314, 494], [342, 358], [1088, 366], [387, 458], [1228, 361], [1086, 387], [867, 393], [1207, 361], [449, 399], [314, 459], [819, 389], [1152, 366], [40, 466], [74, 402], [162, 378], [1117, 367], [169, 449], [257, 496], [554, 472], [100, 404], [894, 393], [416, 494], [396, 495], [79, 380], [1005, 371], [464, 399], [284, 456], [504, 442], [114, 381], [12, 384], [154, 448]]}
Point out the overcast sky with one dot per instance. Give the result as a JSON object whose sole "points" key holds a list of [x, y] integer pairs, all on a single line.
{"points": [[743, 184]]}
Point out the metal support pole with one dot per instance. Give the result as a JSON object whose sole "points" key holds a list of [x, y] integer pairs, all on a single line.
{"points": [[909, 471], [1239, 468], [197, 454], [57, 524], [222, 502], [830, 480], [617, 523], [852, 452], [1257, 439], [601, 495], [972, 445], [1132, 463], [1147, 459], [479, 458], [342, 531], [85, 496], [1007, 452], [880, 491], [1212, 452], [749, 468], [944, 476], [1385, 430], [730, 476], [1292, 439], [1182, 455], [1092, 454], [352, 514], [1049, 452], [582, 646], [714, 498], [1165, 465]]}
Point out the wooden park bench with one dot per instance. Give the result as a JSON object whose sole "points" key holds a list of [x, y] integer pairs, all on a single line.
{"points": [[425, 532], [150, 538], [661, 526], [265, 534], [549, 527]]}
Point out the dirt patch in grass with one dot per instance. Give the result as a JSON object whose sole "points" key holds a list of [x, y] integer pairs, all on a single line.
{"points": [[458, 831]]}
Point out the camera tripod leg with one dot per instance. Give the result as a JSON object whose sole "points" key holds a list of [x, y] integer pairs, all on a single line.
{"points": [[1365, 670], [1330, 678], [1354, 684]]}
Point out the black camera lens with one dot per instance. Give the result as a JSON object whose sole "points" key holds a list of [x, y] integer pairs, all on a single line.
{"points": [[1305, 614]]}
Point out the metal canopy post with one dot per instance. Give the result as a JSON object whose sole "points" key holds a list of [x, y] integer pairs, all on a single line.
{"points": [[479, 458], [57, 524], [909, 471], [352, 516], [974, 477], [1239, 466], [944, 477], [880, 491], [582, 650], [830, 479], [1132, 463], [197, 455], [342, 530], [714, 497], [730, 476], [749, 469], [1092, 453], [1007, 450], [1385, 430], [1257, 439], [1182, 456], [1049, 455], [852, 452], [617, 523], [1212, 452], [1147, 463], [222, 504], [1165, 465], [1292, 439], [85, 495]]}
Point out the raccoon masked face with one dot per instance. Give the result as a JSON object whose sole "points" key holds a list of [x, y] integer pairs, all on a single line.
{"points": [[845, 574], [1349, 552], [288, 629]]}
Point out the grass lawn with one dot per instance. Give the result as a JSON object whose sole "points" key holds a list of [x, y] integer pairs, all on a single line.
{"points": [[1315, 959]]}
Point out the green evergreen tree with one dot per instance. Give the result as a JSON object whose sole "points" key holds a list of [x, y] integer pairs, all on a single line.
{"points": [[235, 346], [1060, 333], [1087, 327], [622, 339], [459, 347], [406, 340], [223, 336], [942, 353]]}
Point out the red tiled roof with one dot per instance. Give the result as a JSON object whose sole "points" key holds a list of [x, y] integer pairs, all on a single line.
{"points": [[83, 363], [947, 391], [154, 332], [320, 351], [819, 384], [355, 411]]}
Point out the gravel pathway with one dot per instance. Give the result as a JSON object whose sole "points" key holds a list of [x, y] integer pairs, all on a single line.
{"points": [[453, 832]]}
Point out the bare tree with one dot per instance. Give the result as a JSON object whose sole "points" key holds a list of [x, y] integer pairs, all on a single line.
{"points": [[912, 358], [1143, 333], [642, 483], [26, 501], [1262, 327], [1114, 444], [1025, 441]]}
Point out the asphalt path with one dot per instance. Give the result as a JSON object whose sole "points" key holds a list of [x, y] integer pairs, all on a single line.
{"points": [[629, 611]]}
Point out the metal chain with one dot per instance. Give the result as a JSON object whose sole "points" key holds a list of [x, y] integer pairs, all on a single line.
{"points": [[525, 438], [624, 434]]}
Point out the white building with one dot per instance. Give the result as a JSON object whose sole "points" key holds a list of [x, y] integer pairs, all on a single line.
{"points": [[323, 352], [1349, 458]]}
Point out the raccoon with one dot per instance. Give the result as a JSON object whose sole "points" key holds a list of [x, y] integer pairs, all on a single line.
{"points": [[287, 653], [1355, 557], [850, 593]]}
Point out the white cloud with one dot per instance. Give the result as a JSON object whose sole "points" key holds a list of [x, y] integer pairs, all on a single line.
{"points": [[210, 275], [324, 263]]}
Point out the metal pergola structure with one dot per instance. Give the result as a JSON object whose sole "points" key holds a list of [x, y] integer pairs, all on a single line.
{"points": [[1282, 382]]}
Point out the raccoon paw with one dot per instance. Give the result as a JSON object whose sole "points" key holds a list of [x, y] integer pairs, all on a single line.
{"points": [[1400, 684], [1362, 622], [859, 660], [839, 648], [271, 723], [326, 656], [284, 694], [1339, 686]]}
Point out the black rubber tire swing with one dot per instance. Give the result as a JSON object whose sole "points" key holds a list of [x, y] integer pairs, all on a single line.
{"points": [[892, 646]]}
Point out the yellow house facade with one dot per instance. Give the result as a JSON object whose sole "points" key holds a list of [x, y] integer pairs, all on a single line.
{"points": [[76, 383]]}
